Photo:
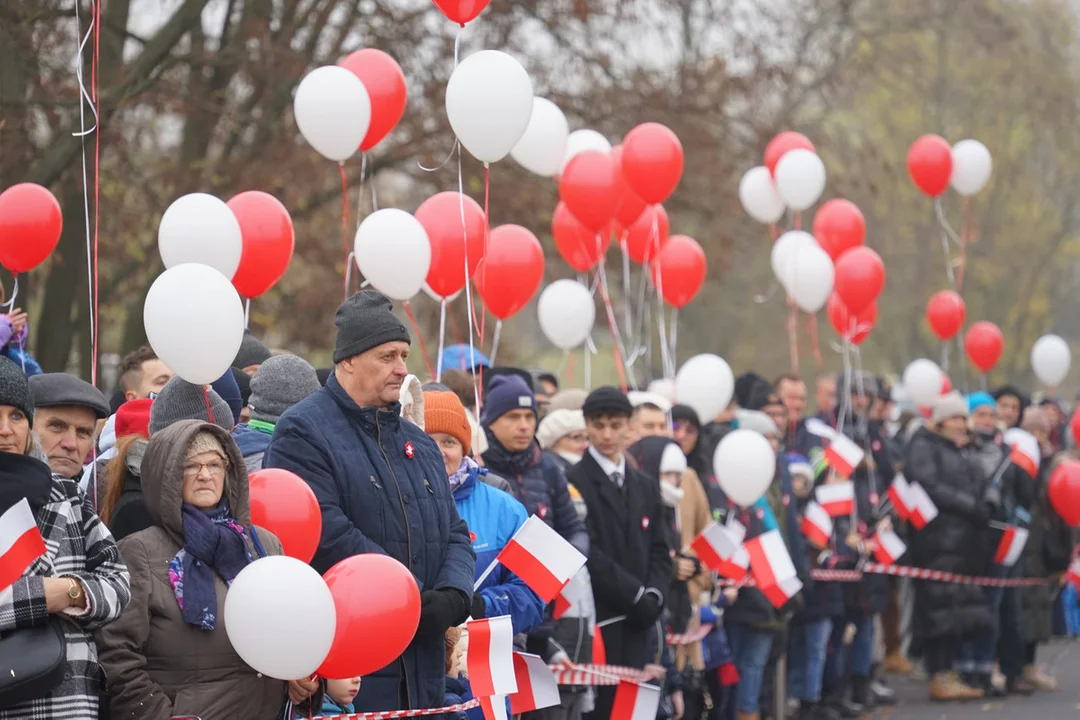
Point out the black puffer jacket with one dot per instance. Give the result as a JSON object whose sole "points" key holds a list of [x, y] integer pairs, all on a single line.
{"points": [[958, 540]]}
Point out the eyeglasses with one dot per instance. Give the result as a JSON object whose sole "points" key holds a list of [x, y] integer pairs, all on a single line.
{"points": [[578, 437], [214, 467], [688, 427]]}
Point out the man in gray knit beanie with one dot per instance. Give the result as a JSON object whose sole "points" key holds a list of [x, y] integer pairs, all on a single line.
{"points": [[281, 382], [180, 400]]}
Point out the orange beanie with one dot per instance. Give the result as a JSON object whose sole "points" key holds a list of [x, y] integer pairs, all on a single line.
{"points": [[444, 413]]}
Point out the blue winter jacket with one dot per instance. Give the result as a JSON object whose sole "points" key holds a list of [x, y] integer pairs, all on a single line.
{"points": [[381, 486], [493, 517]]}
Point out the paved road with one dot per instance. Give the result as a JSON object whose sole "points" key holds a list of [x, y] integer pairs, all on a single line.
{"points": [[1062, 658]]}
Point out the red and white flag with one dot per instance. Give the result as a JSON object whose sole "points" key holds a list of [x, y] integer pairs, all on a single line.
{"points": [[20, 542], [715, 544], [843, 455], [924, 511], [494, 707], [575, 599], [537, 688], [838, 499], [888, 547], [783, 591], [1025, 452], [900, 494], [816, 524], [770, 562], [635, 701], [491, 657], [541, 558], [1011, 546], [735, 567]]}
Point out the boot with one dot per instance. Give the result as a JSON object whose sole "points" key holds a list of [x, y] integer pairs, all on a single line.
{"points": [[860, 691], [984, 682], [821, 711], [882, 694], [946, 687], [897, 664], [844, 708], [1019, 686], [1039, 679]]}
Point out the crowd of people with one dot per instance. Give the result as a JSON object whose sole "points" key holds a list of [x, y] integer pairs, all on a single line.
{"points": [[143, 503]]}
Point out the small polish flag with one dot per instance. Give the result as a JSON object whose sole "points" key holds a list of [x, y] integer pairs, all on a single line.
{"points": [[770, 562], [843, 455], [715, 544], [900, 494], [924, 511], [838, 499], [571, 599], [736, 530], [490, 658], [494, 707], [635, 701], [1025, 452], [541, 558], [599, 652], [817, 525], [537, 688], [1012, 544], [783, 591], [20, 542], [735, 567], [888, 547]]}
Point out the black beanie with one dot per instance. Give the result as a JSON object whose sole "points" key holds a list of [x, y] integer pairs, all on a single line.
{"points": [[243, 381], [15, 389], [364, 321], [607, 401]]}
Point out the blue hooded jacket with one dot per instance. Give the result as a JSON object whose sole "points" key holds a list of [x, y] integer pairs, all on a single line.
{"points": [[381, 486], [493, 517]]}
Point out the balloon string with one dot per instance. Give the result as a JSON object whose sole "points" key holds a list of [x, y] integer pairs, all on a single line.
{"points": [[442, 339], [495, 340], [773, 232], [470, 306], [588, 363], [947, 234], [627, 291], [345, 224], [420, 337], [87, 98], [793, 334], [95, 314], [845, 398], [247, 312], [360, 189], [965, 231], [661, 325], [568, 363], [620, 352], [10, 304], [815, 342], [674, 335], [796, 222]]}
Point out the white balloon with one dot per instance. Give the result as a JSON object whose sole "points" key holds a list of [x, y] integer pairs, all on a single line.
{"points": [[333, 111], [543, 146], [1050, 359], [199, 228], [393, 252], [194, 321], [489, 101], [809, 274], [759, 196], [971, 167], [664, 388], [800, 178], [567, 313], [280, 617], [582, 140], [922, 381], [786, 247], [744, 464], [705, 383]]}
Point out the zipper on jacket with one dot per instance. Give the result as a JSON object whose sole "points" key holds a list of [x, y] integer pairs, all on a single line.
{"points": [[375, 483], [431, 490]]}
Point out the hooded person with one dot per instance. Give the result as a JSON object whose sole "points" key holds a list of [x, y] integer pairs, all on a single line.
{"points": [[561, 435], [196, 492], [251, 355], [278, 384], [180, 400], [374, 475], [412, 401]]}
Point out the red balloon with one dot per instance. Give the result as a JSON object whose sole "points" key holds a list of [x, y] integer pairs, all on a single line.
{"points": [[838, 227], [441, 217], [929, 162], [589, 187], [859, 278], [511, 271], [630, 205], [1064, 491], [266, 231], [1074, 425], [377, 604], [679, 270], [853, 329], [283, 504], [580, 247], [781, 144], [385, 85], [461, 11], [641, 242], [652, 161], [946, 384], [30, 225], [945, 312], [984, 343]]}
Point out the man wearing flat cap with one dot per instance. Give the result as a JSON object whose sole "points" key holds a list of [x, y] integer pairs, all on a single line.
{"points": [[65, 420], [381, 484]]}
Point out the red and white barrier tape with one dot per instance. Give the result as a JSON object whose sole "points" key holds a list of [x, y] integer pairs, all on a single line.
{"points": [[908, 572], [689, 638], [402, 713], [597, 675]]}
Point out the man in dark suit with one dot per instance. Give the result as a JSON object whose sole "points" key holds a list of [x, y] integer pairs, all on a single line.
{"points": [[628, 558]]}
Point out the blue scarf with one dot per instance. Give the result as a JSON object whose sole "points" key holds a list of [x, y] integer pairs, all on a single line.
{"points": [[468, 467]]}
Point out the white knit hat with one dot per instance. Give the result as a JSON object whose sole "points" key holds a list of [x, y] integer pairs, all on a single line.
{"points": [[638, 398], [757, 421], [557, 424], [949, 405], [412, 401], [673, 459]]}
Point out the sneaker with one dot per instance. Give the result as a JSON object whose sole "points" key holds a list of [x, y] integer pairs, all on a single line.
{"points": [[985, 682], [1019, 686], [946, 687], [882, 694], [1039, 679], [844, 708], [897, 664]]}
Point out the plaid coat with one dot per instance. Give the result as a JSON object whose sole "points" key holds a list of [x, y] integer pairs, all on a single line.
{"points": [[80, 546]]}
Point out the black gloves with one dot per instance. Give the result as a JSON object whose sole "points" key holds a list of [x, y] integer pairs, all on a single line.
{"points": [[441, 610], [983, 512], [479, 608], [648, 607]]}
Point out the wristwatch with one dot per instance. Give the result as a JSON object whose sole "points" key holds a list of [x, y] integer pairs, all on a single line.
{"points": [[74, 590]]}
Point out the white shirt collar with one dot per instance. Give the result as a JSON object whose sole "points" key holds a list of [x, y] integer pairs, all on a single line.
{"points": [[606, 465]]}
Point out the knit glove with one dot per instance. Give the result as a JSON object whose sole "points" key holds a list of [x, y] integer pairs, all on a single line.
{"points": [[479, 607], [441, 610], [648, 607]]}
